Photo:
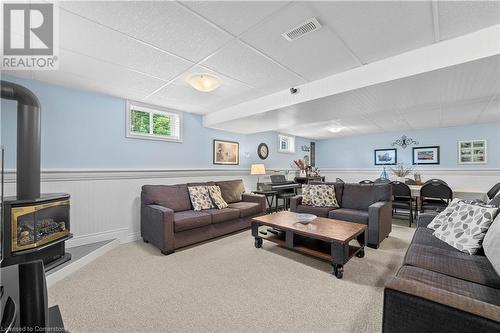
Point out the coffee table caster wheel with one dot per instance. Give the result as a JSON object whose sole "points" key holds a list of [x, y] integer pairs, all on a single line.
{"points": [[258, 242], [338, 271], [361, 253]]}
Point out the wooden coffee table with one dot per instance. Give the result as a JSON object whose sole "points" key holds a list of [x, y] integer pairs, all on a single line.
{"points": [[327, 239]]}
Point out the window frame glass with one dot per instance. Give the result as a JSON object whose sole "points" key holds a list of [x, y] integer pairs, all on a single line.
{"points": [[153, 110], [290, 143]]}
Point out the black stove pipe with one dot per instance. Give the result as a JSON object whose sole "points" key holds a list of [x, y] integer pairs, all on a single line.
{"points": [[28, 139]]}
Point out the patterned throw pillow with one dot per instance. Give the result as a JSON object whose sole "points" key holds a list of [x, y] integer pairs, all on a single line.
{"points": [[216, 196], [467, 227], [200, 197], [444, 216], [307, 195], [320, 195]]}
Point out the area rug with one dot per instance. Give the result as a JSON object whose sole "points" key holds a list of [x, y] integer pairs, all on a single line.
{"points": [[227, 285]]}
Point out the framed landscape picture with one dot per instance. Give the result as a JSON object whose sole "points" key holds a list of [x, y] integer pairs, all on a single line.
{"points": [[472, 152], [386, 156], [426, 155], [226, 152]]}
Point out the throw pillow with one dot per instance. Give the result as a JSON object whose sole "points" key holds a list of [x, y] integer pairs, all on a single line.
{"points": [[491, 244], [466, 227], [307, 195], [323, 196], [216, 196], [444, 216], [200, 197]]}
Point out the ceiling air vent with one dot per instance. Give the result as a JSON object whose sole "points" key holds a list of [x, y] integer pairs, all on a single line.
{"points": [[305, 28]]}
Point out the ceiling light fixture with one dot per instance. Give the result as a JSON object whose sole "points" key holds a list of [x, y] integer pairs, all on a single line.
{"points": [[335, 129], [204, 82]]}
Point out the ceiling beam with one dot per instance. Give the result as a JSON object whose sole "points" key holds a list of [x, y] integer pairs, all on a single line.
{"points": [[477, 45]]}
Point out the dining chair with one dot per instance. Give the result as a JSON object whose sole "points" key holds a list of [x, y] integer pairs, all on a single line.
{"points": [[435, 180], [409, 181], [493, 191], [339, 180], [435, 196], [382, 181], [402, 199], [366, 181]]}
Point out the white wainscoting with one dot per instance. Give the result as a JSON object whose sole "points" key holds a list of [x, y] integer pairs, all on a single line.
{"points": [[476, 180], [105, 204]]}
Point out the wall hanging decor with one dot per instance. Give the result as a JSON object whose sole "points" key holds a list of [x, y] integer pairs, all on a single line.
{"points": [[472, 152], [263, 151], [226, 152], [426, 155], [404, 142], [385, 156], [305, 148]]}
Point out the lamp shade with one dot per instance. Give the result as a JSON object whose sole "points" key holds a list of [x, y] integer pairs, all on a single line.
{"points": [[258, 169]]}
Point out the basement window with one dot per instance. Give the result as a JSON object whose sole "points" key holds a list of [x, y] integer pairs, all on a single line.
{"points": [[286, 144], [153, 123]]}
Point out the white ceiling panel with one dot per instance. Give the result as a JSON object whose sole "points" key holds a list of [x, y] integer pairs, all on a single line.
{"points": [[461, 17], [375, 30], [179, 91], [239, 61], [113, 78], [235, 17], [491, 113], [314, 56], [464, 113], [165, 24], [85, 37]]}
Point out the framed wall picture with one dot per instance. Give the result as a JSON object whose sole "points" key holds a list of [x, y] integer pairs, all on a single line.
{"points": [[472, 152], [386, 156], [426, 155], [226, 152]]}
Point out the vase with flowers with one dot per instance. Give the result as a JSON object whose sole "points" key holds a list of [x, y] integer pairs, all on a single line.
{"points": [[401, 171]]}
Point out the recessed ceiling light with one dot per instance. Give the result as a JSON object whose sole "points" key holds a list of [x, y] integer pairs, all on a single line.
{"points": [[335, 129], [204, 82]]}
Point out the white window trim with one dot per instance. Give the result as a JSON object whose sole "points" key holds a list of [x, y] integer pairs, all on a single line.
{"points": [[290, 150], [157, 110]]}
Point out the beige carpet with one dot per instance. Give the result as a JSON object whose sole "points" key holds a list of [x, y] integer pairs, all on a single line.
{"points": [[228, 285]]}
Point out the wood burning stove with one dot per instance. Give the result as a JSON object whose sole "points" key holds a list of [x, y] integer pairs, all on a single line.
{"points": [[34, 226]]}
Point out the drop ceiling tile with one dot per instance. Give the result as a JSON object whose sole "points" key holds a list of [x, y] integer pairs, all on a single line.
{"points": [[235, 16], [85, 37], [182, 96], [314, 56], [422, 116], [241, 62], [491, 113], [377, 30], [458, 18], [389, 120], [464, 113], [107, 78], [165, 24]]}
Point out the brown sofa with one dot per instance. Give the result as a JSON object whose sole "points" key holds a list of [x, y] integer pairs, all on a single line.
{"points": [[169, 222], [369, 204]]}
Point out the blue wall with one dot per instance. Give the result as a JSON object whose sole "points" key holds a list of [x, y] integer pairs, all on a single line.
{"points": [[357, 152], [83, 130]]}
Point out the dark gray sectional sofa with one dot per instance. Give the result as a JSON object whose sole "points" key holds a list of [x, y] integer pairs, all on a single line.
{"points": [[169, 222], [440, 289], [369, 204]]}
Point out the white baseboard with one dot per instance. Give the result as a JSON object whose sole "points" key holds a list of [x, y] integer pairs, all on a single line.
{"points": [[60, 274], [131, 237], [118, 234]]}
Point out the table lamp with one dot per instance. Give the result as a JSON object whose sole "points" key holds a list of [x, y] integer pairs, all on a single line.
{"points": [[258, 169]]}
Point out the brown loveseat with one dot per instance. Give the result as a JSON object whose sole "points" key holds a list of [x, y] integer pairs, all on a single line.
{"points": [[169, 222], [369, 204]]}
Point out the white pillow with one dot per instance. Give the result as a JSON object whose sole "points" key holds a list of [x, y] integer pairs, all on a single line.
{"points": [[466, 227], [491, 244], [444, 216]]}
